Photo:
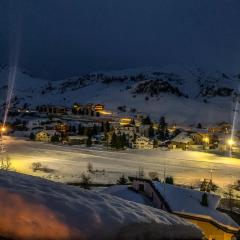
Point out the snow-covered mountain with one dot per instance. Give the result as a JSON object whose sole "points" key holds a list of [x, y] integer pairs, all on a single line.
{"points": [[182, 94], [33, 208]]}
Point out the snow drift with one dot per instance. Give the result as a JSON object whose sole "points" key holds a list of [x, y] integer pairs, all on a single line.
{"points": [[33, 208]]}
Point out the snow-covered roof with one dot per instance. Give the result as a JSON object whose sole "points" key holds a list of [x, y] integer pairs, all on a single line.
{"points": [[182, 138], [124, 192], [188, 201], [75, 137], [34, 208]]}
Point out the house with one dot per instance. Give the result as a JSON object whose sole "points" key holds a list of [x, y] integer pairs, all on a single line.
{"points": [[187, 203], [77, 140], [128, 130], [98, 107], [142, 143], [45, 135], [52, 109], [226, 142], [182, 140]]}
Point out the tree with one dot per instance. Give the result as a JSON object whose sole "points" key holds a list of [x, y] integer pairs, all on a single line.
{"points": [[85, 181], [90, 167], [55, 138], [146, 121], [163, 129], [89, 141], [122, 180], [169, 180], [155, 143], [124, 140], [141, 172], [81, 129], [153, 176], [204, 201], [151, 132], [73, 129], [107, 126], [94, 130], [199, 125], [113, 142], [5, 163], [32, 136]]}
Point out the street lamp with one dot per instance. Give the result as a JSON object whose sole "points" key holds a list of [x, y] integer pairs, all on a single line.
{"points": [[206, 141], [230, 142]]}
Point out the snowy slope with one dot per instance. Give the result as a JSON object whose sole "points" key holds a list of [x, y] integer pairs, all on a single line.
{"points": [[182, 94], [33, 208]]}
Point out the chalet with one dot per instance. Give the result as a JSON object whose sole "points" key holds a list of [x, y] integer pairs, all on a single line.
{"points": [[222, 127], [45, 135], [98, 107], [224, 144], [51, 109], [182, 140], [142, 143], [77, 140], [188, 204]]}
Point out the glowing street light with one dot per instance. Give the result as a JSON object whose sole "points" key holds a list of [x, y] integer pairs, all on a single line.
{"points": [[3, 129], [206, 140], [230, 142]]}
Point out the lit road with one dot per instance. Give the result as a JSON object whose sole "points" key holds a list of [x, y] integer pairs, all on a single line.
{"points": [[68, 162]]}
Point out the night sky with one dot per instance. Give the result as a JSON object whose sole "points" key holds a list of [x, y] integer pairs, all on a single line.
{"points": [[60, 38]]}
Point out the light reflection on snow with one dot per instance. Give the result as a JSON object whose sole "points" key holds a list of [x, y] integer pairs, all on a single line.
{"points": [[23, 219]]}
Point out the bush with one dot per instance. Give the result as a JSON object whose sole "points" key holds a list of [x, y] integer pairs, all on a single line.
{"points": [[36, 166]]}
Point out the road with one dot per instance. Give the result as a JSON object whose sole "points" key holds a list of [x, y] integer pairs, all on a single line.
{"points": [[68, 162]]}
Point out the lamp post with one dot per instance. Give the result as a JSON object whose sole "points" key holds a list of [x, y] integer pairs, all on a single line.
{"points": [[230, 143], [206, 142], [2, 146]]}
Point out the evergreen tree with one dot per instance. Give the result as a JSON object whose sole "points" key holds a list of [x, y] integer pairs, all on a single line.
{"points": [[124, 141], [114, 141], [151, 132], [89, 142], [122, 180], [163, 129], [146, 121], [73, 129], [94, 130], [107, 126], [204, 200], [32, 136], [80, 129], [55, 138], [169, 180], [199, 125]]}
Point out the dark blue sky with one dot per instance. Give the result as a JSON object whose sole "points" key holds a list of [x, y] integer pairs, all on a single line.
{"points": [[60, 38]]}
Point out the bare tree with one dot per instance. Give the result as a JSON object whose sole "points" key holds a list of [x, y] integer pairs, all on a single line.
{"points": [[153, 175], [90, 167], [5, 163]]}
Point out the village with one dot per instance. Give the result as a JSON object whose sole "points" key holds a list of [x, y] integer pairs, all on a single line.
{"points": [[94, 125]]}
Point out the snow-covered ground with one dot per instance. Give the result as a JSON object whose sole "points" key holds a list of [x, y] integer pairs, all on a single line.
{"points": [[68, 162], [33, 208]]}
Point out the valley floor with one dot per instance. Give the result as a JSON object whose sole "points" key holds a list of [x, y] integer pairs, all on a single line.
{"points": [[66, 163]]}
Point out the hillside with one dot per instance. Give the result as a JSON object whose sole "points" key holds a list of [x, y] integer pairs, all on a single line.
{"points": [[33, 208], [185, 95]]}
